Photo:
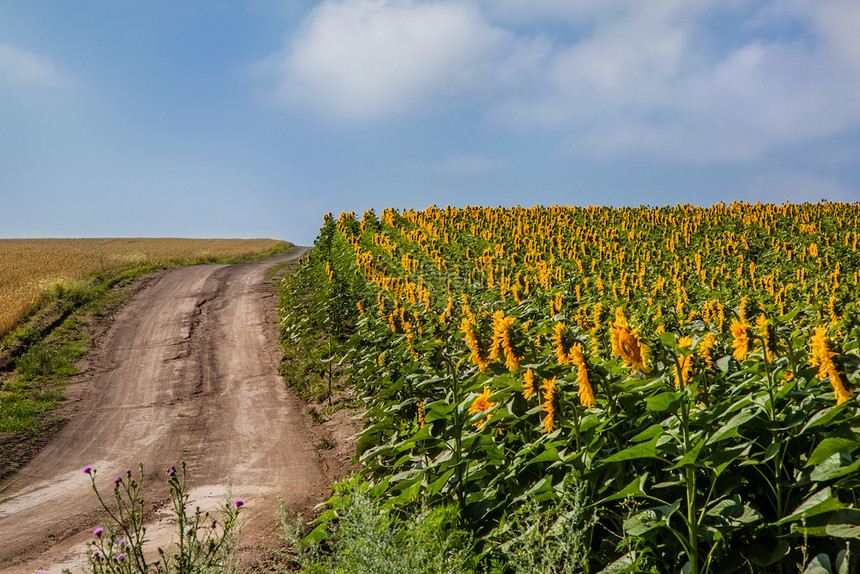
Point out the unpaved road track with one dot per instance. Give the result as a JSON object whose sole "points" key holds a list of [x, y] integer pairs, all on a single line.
{"points": [[187, 371]]}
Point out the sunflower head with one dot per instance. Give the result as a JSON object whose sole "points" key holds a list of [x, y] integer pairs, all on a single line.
{"points": [[748, 309], [685, 361], [840, 386], [705, 350], [585, 392], [835, 308], [741, 341], [598, 315], [480, 405], [479, 351], [561, 348], [819, 346], [528, 384], [630, 346], [549, 389], [826, 358], [504, 344]]}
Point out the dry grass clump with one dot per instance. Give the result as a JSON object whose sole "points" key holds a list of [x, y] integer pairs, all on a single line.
{"points": [[30, 267]]}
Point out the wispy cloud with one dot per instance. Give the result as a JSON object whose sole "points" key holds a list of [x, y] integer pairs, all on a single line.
{"points": [[23, 68], [464, 165], [670, 85], [674, 89]]}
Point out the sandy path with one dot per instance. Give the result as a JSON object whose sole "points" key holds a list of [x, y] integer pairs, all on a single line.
{"points": [[187, 371]]}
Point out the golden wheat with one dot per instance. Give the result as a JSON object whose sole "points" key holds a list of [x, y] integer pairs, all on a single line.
{"points": [[30, 267]]}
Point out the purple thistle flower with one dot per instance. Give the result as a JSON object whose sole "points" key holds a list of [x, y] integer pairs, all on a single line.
{"points": [[120, 556], [172, 470], [117, 480], [239, 502], [98, 532], [128, 472], [97, 555], [88, 469], [122, 542]]}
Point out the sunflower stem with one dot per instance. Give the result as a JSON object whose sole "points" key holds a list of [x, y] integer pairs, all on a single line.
{"points": [[778, 459], [458, 442], [689, 477]]}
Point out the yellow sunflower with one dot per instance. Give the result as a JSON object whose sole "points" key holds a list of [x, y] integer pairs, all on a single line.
{"points": [[561, 353], [585, 392], [741, 341], [503, 341], [682, 377], [826, 360], [478, 355], [628, 344], [528, 384], [549, 389], [481, 404]]}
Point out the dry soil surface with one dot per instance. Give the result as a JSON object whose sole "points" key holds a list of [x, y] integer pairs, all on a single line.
{"points": [[187, 371]]}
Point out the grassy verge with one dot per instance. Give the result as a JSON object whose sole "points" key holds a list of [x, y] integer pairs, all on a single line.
{"points": [[316, 321], [39, 355], [370, 539]]}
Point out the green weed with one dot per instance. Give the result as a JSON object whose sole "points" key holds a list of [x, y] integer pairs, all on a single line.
{"points": [[369, 538], [324, 444], [47, 359], [20, 411], [204, 544]]}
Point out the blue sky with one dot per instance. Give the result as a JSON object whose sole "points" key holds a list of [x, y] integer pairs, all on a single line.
{"points": [[165, 118]]}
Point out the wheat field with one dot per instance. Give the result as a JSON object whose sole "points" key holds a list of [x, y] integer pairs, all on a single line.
{"points": [[30, 267]]}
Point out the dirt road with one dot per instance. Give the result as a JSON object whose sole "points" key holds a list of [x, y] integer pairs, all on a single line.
{"points": [[187, 371]]}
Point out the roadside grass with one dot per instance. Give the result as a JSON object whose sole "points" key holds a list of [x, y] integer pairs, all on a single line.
{"points": [[308, 352], [317, 318], [41, 372], [41, 360], [20, 408], [310, 347], [279, 269]]}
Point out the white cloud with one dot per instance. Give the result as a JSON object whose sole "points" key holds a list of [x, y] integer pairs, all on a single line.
{"points": [[762, 96], [670, 85], [469, 164], [367, 59], [670, 92], [22, 68], [625, 60]]}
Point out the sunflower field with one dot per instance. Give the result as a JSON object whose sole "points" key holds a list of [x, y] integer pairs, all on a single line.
{"points": [[688, 372]]}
